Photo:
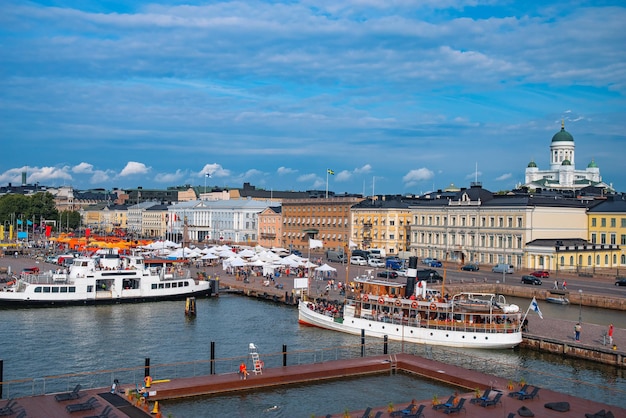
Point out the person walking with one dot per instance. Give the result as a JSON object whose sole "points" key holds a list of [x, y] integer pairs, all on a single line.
{"points": [[610, 334], [577, 329], [564, 285], [556, 285]]}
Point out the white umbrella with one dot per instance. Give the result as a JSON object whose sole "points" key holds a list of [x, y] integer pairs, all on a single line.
{"points": [[325, 267]]}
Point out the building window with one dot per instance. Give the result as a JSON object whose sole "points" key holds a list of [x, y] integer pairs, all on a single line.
{"points": [[519, 222], [593, 238], [623, 239], [613, 239], [510, 222], [623, 223], [593, 221], [613, 222], [603, 222], [603, 238]]}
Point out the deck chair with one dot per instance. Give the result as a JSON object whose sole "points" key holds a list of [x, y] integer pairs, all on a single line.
{"points": [[85, 406], [379, 414], [448, 403], [523, 390], [69, 396], [511, 415], [419, 413], [492, 402], [22, 414], [484, 397], [531, 395], [8, 408], [367, 412], [104, 413], [402, 412], [454, 409]]}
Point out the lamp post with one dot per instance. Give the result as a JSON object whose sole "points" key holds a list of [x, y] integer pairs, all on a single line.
{"points": [[580, 306]]}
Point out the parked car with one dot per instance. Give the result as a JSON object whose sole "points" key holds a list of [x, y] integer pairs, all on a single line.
{"points": [[387, 274], [621, 281], [401, 272], [30, 270], [54, 259], [528, 279], [358, 260], [430, 275], [542, 274], [503, 268], [470, 267], [427, 260], [375, 262]]}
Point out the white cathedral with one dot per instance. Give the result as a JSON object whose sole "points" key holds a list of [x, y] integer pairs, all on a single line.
{"points": [[562, 174]]}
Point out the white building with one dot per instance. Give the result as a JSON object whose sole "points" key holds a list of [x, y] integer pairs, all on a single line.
{"points": [[562, 174]]}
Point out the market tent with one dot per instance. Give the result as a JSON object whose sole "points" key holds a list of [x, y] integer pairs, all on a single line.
{"points": [[325, 267]]}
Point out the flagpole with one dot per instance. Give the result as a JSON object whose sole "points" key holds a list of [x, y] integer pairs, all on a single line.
{"points": [[327, 183]]}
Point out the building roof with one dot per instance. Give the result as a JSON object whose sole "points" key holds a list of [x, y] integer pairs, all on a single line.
{"points": [[562, 135], [561, 242], [612, 204]]}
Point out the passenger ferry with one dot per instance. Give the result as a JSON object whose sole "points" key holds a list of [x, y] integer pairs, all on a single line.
{"points": [[106, 278], [409, 312]]}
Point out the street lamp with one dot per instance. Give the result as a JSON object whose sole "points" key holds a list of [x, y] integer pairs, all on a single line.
{"points": [[580, 306]]}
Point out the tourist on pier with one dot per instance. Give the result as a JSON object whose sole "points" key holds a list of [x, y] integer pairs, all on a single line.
{"points": [[577, 329], [611, 334], [243, 371], [564, 285], [556, 285]]}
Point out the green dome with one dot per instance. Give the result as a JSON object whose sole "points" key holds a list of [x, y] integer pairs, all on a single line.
{"points": [[592, 164], [566, 162], [562, 136], [532, 164]]}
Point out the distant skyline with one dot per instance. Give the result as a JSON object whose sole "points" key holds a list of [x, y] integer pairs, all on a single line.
{"points": [[394, 96]]}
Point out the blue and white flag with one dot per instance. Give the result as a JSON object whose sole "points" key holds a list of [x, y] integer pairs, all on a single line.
{"points": [[535, 307]]}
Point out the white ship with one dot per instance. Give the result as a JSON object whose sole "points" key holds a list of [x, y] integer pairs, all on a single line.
{"points": [[407, 312], [106, 278]]}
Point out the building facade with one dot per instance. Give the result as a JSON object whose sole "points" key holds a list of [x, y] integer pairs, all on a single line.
{"points": [[271, 227]]}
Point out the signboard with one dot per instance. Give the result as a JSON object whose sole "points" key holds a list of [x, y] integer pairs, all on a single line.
{"points": [[301, 283], [22, 235]]}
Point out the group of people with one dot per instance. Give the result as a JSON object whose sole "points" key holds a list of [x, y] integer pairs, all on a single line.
{"points": [[563, 285], [325, 307]]}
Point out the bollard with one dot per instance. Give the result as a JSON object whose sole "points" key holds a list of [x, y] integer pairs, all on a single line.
{"points": [[284, 355], [385, 344], [147, 367], [362, 343], [212, 357]]}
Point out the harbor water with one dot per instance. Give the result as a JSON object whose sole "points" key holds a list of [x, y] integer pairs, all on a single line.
{"points": [[45, 342]]}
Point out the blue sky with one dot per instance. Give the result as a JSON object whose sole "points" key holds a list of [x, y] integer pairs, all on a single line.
{"points": [[395, 96]]}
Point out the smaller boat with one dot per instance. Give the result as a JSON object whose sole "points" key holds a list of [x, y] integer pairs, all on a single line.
{"points": [[557, 297]]}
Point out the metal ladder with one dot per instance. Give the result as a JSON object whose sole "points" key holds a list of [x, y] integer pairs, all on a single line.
{"points": [[256, 360]]}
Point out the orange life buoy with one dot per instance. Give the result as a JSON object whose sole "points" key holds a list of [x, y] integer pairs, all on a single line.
{"points": [[365, 298], [398, 302], [433, 306], [381, 300], [414, 305]]}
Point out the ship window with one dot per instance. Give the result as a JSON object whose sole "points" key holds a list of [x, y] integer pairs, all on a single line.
{"points": [[154, 286], [161, 286], [55, 290], [46, 289], [90, 289], [72, 289], [63, 289], [167, 285], [186, 283], [174, 284], [38, 289]]}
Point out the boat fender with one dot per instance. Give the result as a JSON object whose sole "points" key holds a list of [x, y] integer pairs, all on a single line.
{"points": [[414, 305], [398, 302], [433, 306], [365, 298], [381, 300]]}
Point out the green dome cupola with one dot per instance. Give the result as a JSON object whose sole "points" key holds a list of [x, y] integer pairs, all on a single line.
{"points": [[532, 164], [592, 164], [562, 135]]}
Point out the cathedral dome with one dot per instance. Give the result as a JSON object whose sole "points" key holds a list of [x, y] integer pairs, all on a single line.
{"points": [[566, 162], [532, 165], [592, 164], [562, 135]]}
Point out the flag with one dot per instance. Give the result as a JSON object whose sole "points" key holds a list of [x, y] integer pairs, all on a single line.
{"points": [[331, 172], [207, 175], [315, 243], [535, 307]]}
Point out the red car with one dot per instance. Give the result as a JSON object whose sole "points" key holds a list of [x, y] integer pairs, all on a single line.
{"points": [[541, 274]]}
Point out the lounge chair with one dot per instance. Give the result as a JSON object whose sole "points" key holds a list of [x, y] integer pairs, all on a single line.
{"points": [[8, 408], [22, 414], [85, 406], [379, 414], [419, 413], [530, 395], [69, 396], [367, 412], [511, 415], [484, 397], [104, 413], [523, 390], [456, 408], [404, 411], [492, 402], [448, 403]]}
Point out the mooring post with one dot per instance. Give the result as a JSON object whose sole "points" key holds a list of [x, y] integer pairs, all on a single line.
{"points": [[362, 343], [385, 344], [1, 376], [284, 355], [147, 367], [212, 357]]}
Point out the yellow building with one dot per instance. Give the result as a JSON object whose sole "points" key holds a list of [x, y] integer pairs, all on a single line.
{"points": [[607, 231], [270, 227]]}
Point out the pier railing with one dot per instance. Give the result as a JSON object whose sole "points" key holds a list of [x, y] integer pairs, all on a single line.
{"points": [[491, 362]]}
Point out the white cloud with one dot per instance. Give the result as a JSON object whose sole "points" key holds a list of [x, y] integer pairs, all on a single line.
{"points": [[415, 176], [215, 170], [344, 175], [170, 178], [100, 176], [133, 168], [83, 168], [505, 176], [474, 175], [282, 171], [363, 170], [307, 177]]}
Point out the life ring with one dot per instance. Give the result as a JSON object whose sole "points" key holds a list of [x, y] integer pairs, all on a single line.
{"points": [[433, 306], [398, 302], [365, 298], [381, 300], [414, 305]]}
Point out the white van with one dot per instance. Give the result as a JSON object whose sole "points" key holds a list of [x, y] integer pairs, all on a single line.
{"points": [[503, 268]]}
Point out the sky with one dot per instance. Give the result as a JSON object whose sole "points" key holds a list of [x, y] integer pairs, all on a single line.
{"points": [[393, 96]]}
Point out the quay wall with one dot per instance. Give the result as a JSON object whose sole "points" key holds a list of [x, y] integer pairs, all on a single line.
{"points": [[602, 355]]}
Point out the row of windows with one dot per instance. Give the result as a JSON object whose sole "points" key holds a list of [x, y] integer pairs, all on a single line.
{"points": [[490, 241], [500, 221], [55, 289], [561, 261], [612, 239], [169, 285], [613, 222]]}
